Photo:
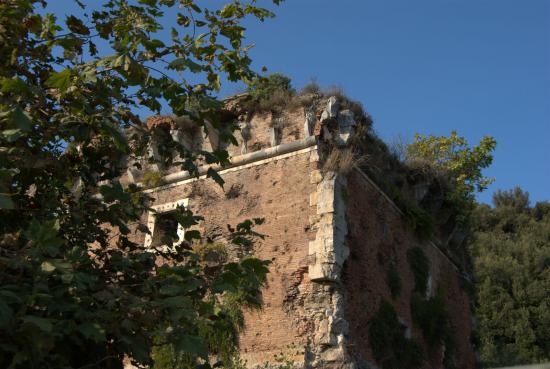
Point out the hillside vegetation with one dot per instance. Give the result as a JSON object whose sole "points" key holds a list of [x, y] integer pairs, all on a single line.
{"points": [[511, 252]]}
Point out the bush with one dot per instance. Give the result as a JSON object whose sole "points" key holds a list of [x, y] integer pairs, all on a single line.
{"points": [[311, 88], [271, 93]]}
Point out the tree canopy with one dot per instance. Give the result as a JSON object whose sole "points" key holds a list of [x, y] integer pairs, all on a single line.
{"points": [[460, 165], [75, 290], [511, 251]]}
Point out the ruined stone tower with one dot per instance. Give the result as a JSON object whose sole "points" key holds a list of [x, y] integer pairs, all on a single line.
{"points": [[339, 246]]}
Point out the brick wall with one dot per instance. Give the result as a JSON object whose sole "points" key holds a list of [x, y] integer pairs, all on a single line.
{"points": [[377, 236], [278, 191]]}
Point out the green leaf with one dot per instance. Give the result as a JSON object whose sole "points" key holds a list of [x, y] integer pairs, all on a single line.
{"points": [[18, 120], [6, 314], [14, 85], [191, 345], [211, 173], [6, 202], [114, 192], [214, 80], [77, 26], [21, 120], [45, 235], [89, 75], [47, 267], [175, 302], [60, 80], [42, 323], [172, 290], [11, 296], [182, 63], [192, 234], [118, 138], [92, 331], [228, 11], [12, 135]]}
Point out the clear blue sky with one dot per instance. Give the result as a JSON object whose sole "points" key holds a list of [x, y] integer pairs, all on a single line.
{"points": [[481, 67]]}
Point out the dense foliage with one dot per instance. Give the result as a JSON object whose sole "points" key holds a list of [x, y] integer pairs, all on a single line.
{"points": [[75, 290], [461, 166], [453, 156], [511, 250]]}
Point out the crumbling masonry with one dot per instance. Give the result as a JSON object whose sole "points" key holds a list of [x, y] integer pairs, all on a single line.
{"points": [[331, 237]]}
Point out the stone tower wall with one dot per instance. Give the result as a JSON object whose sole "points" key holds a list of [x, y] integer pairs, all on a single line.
{"points": [[330, 237]]}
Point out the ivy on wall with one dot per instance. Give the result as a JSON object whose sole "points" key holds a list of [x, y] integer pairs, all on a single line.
{"points": [[390, 347], [394, 281], [420, 266]]}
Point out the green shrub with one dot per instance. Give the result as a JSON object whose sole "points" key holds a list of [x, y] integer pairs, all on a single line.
{"points": [[271, 93], [311, 88], [420, 266], [165, 357], [390, 347]]}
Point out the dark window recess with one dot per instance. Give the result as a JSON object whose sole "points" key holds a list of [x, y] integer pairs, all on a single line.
{"points": [[166, 231]]}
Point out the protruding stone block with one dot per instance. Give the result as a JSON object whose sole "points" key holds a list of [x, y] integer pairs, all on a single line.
{"points": [[346, 127]]}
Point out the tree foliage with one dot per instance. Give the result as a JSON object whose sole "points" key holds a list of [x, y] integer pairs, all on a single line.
{"points": [[453, 156], [511, 251], [75, 290], [453, 159]]}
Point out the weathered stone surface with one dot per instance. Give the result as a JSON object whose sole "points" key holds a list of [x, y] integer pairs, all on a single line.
{"points": [[332, 107], [329, 245], [309, 122], [346, 127]]}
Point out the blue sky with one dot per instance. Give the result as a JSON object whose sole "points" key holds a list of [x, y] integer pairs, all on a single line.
{"points": [[481, 67]]}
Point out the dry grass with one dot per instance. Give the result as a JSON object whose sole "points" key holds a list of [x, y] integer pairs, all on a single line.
{"points": [[342, 161]]}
